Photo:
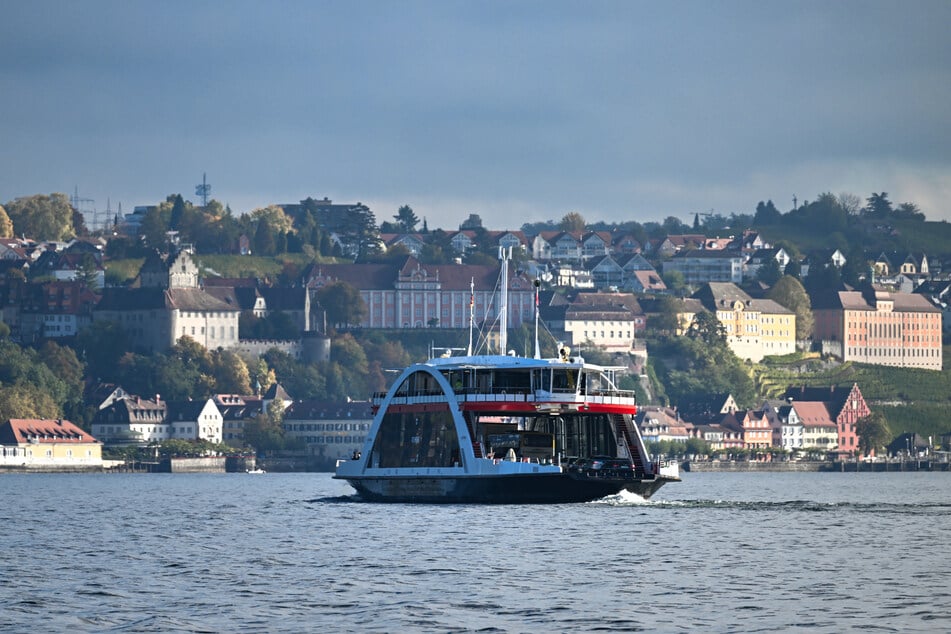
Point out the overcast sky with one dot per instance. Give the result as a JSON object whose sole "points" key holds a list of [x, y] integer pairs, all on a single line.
{"points": [[517, 111]]}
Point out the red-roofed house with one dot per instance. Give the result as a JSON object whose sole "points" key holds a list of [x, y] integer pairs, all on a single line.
{"points": [[819, 430], [757, 433], [845, 407], [660, 424], [646, 282], [55, 309], [47, 445]]}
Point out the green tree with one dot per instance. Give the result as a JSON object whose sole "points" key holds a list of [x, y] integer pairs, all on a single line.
{"points": [[825, 214], [79, 224], [326, 245], [873, 432], [88, 271], [192, 354], [823, 278], [265, 240], [707, 328], [261, 375], [265, 432], [391, 354], [6, 225], [766, 214], [177, 212], [688, 368], [154, 227], [42, 217], [66, 366], [362, 232], [697, 447], [675, 281], [406, 219], [349, 354], [26, 401], [438, 249], [274, 217], [343, 304], [909, 211], [186, 372], [302, 380], [856, 268], [673, 226], [789, 293], [101, 345], [231, 373], [877, 206], [769, 273], [666, 320], [25, 376], [572, 222], [349, 357], [276, 325]]}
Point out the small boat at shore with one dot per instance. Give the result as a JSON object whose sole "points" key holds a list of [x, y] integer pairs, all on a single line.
{"points": [[256, 471], [500, 429]]}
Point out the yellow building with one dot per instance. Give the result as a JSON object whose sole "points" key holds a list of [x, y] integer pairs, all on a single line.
{"points": [[47, 444], [755, 328]]}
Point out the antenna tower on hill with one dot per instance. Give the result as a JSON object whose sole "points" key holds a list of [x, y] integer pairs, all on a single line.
{"points": [[203, 190]]}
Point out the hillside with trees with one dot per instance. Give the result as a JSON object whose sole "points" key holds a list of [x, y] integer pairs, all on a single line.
{"points": [[48, 380]]}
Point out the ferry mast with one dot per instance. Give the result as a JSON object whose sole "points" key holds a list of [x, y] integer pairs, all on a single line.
{"points": [[505, 254]]}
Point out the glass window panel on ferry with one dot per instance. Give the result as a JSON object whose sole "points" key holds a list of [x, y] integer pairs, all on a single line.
{"points": [[416, 439], [419, 383], [577, 435]]}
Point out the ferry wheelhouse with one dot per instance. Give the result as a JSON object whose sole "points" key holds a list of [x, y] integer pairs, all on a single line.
{"points": [[504, 429]]}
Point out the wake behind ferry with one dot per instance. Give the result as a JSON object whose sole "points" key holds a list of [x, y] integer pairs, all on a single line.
{"points": [[502, 429]]}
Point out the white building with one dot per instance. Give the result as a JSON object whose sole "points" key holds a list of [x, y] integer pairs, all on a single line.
{"points": [[792, 433], [169, 305], [134, 420]]}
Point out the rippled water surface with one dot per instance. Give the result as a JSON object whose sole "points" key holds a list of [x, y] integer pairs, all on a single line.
{"points": [[296, 552]]}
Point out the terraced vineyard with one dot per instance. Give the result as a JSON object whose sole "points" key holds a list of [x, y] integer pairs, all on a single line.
{"points": [[912, 400]]}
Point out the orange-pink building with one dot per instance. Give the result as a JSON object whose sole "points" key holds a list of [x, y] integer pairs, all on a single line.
{"points": [[755, 427], [415, 295], [880, 327]]}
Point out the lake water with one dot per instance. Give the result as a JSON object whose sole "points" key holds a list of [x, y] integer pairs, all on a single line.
{"points": [[720, 552]]}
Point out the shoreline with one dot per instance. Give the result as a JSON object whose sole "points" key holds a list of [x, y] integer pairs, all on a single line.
{"points": [[815, 466]]}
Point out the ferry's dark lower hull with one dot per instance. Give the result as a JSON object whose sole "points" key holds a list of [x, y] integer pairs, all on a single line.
{"points": [[554, 488]]}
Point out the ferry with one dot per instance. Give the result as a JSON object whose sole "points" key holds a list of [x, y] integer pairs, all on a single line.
{"points": [[504, 429]]}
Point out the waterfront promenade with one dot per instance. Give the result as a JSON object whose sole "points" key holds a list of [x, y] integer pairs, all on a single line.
{"points": [[777, 466]]}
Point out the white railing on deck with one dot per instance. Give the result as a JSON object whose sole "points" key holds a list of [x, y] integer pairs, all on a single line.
{"points": [[613, 397]]}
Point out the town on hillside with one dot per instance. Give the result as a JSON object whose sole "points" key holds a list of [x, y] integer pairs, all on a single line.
{"points": [[184, 330]]}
